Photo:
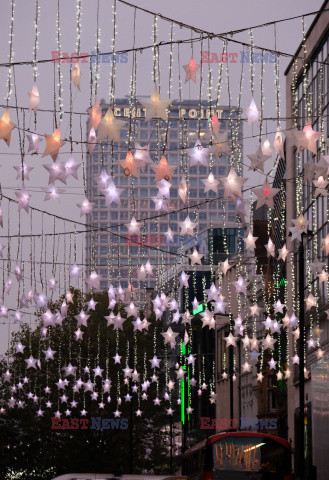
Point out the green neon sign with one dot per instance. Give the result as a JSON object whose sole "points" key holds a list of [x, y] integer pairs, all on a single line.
{"points": [[184, 351], [282, 282], [201, 308]]}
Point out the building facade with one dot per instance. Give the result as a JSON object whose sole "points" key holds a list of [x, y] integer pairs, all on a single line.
{"points": [[307, 102], [104, 249]]}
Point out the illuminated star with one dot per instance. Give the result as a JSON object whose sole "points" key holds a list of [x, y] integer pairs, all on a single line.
{"points": [[187, 226], [278, 143], [283, 253], [130, 165], [109, 127], [312, 137], [93, 281], [232, 184], [196, 257], [268, 342], [54, 143], [31, 362], [191, 70], [142, 155], [265, 194], [258, 159], [6, 127], [23, 171], [169, 336], [278, 307], [134, 226], [82, 318], [272, 363], [252, 113], [260, 377], [210, 184], [297, 139], [246, 367], [254, 309], [86, 207], [156, 107], [295, 359], [155, 362], [225, 266], [270, 248], [163, 170], [320, 187], [117, 358], [220, 145], [241, 285], [212, 293], [23, 199], [49, 353], [310, 302], [250, 241], [34, 142], [198, 154], [95, 114], [300, 226], [230, 340], [325, 244], [323, 277]]}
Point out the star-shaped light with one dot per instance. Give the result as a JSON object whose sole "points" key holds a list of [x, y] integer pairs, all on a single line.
{"points": [[246, 367], [112, 194], [117, 358], [23, 199], [23, 171], [295, 359], [31, 362], [109, 127], [196, 257], [325, 244], [323, 277], [54, 143], [198, 154], [225, 266], [6, 127], [34, 142], [49, 353], [320, 186], [230, 340], [156, 107], [86, 207], [142, 155], [258, 159], [278, 143], [300, 226], [34, 98], [93, 281], [310, 302], [283, 253], [232, 184], [210, 183], [272, 363], [82, 318], [134, 226], [221, 145], [71, 168], [260, 377], [163, 170], [241, 285], [265, 194], [270, 248], [187, 226], [312, 137], [56, 172], [169, 336], [250, 241], [191, 70], [268, 342], [155, 362], [130, 165], [252, 113]]}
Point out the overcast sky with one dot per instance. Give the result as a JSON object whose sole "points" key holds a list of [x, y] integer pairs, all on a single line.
{"points": [[210, 15]]}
